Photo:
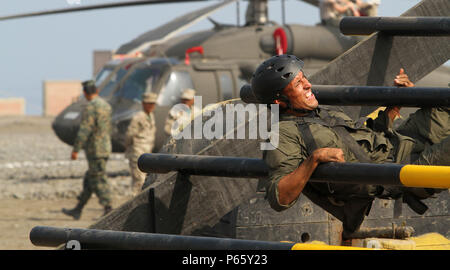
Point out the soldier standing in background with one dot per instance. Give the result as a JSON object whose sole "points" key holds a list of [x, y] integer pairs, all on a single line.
{"points": [[140, 139], [369, 8], [181, 115], [331, 11], [95, 139]]}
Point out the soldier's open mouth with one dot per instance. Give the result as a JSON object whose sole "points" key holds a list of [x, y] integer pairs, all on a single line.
{"points": [[309, 95]]}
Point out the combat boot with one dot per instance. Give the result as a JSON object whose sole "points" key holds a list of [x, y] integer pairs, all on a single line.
{"points": [[75, 212]]}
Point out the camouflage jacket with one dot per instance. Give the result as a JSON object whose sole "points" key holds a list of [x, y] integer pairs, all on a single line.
{"points": [[140, 136], [94, 135]]}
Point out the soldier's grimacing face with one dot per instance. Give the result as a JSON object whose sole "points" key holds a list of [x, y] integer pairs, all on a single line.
{"points": [[299, 93]]}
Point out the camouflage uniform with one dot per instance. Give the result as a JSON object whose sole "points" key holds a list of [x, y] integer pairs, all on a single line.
{"points": [[423, 139], [140, 139], [94, 137]]}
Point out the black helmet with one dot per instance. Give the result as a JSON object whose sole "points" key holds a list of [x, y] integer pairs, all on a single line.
{"points": [[273, 75]]}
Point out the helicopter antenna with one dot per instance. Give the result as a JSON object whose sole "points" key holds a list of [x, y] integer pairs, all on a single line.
{"points": [[312, 2]]}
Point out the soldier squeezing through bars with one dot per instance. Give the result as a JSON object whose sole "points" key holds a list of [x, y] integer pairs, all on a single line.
{"points": [[310, 134], [94, 137]]}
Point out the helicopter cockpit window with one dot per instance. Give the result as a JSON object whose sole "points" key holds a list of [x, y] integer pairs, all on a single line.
{"points": [[113, 81], [142, 80], [176, 83], [102, 75]]}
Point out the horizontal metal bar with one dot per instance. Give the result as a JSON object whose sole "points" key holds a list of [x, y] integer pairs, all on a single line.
{"points": [[349, 173], [346, 95], [106, 239], [203, 165], [405, 26], [382, 96]]}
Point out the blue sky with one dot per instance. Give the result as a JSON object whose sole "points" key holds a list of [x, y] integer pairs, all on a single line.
{"points": [[59, 47]]}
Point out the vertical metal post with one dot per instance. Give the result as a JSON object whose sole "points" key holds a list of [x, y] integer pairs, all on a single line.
{"points": [[238, 13], [283, 12]]}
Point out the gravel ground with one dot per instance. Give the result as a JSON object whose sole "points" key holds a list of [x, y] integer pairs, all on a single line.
{"points": [[35, 164], [37, 179]]}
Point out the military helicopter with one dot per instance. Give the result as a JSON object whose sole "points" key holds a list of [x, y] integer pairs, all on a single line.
{"points": [[216, 68]]}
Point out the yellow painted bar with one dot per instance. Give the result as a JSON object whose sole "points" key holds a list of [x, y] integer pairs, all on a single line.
{"points": [[425, 176], [299, 246]]}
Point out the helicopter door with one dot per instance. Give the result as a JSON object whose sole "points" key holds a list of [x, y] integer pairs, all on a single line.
{"points": [[206, 85]]}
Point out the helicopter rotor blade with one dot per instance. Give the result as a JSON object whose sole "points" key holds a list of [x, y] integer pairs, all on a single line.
{"points": [[311, 2], [165, 31], [93, 7]]}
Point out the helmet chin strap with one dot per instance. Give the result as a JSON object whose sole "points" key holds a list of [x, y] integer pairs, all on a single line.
{"points": [[289, 105]]}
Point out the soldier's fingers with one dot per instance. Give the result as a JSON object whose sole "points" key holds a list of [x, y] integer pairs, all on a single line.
{"points": [[402, 76]]}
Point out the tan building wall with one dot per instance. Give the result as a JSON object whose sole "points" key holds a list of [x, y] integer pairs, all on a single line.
{"points": [[12, 106], [57, 95]]}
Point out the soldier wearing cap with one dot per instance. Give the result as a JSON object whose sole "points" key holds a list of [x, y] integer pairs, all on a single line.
{"points": [[180, 114], [95, 139], [140, 138]]}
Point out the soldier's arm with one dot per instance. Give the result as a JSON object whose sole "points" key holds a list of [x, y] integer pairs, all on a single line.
{"points": [[290, 166], [87, 123], [131, 132], [291, 185], [401, 80], [386, 118]]}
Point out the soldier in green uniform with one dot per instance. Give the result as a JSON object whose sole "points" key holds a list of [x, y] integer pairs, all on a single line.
{"points": [[310, 134], [95, 139], [140, 138]]}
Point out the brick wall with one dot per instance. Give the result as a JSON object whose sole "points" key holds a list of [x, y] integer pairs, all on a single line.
{"points": [[57, 95], [12, 106]]}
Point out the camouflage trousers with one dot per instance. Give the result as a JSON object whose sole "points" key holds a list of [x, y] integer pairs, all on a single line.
{"points": [[430, 128], [95, 182], [137, 176]]}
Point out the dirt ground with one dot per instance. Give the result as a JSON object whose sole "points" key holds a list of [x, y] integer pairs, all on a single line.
{"points": [[18, 217], [38, 179]]}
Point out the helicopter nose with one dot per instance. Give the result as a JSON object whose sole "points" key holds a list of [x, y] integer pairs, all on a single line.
{"points": [[65, 131]]}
